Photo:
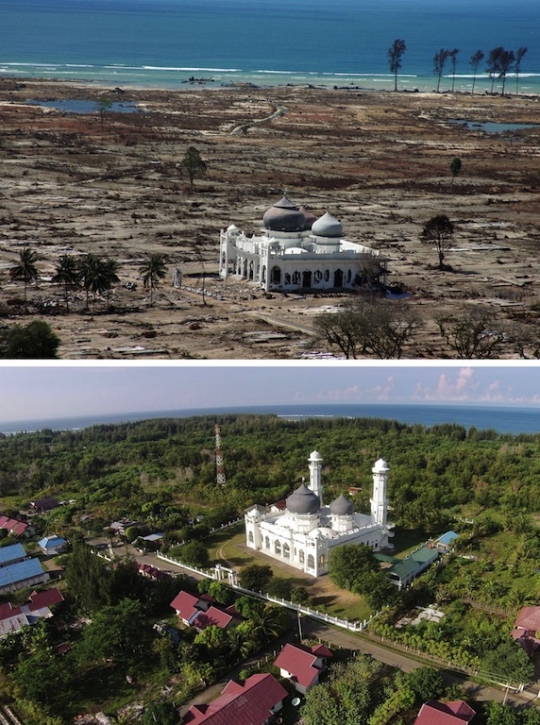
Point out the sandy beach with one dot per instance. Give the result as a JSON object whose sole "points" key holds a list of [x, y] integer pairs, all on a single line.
{"points": [[378, 161]]}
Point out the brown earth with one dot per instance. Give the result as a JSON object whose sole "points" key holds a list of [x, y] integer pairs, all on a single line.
{"points": [[379, 161]]}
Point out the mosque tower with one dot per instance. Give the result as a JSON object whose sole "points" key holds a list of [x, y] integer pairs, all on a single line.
{"points": [[315, 481], [379, 502]]}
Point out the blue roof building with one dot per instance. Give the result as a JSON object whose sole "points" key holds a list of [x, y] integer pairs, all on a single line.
{"points": [[21, 574], [51, 545], [10, 554]]}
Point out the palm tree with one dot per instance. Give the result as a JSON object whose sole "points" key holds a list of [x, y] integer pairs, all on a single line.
{"points": [[395, 53], [517, 65], [439, 61], [26, 269], [474, 62], [67, 273], [453, 58], [152, 271], [98, 275]]}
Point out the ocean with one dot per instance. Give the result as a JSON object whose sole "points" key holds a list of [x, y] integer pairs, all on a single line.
{"points": [[502, 419], [164, 43]]}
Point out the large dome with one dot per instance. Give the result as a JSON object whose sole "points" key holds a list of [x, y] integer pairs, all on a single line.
{"points": [[342, 507], [303, 501], [284, 217], [327, 226]]}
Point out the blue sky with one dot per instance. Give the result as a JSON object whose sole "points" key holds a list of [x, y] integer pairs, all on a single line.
{"points": [[30, 391]]}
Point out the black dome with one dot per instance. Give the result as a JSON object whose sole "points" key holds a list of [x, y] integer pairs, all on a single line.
{"points": [[284, 217], [303, 501], [342, 506]]}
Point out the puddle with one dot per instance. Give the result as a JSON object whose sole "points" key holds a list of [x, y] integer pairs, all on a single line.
{"points": [[492, 127], [86, 106]]}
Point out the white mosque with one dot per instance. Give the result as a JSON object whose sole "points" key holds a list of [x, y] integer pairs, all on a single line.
{"points": [[297, 251], [303, 533]]}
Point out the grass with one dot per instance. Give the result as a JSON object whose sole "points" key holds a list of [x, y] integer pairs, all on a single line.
{"points": [[228, 545]]}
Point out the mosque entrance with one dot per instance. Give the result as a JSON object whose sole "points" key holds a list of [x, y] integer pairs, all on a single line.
{"points": [[338, 278], [275, 275], [306, 279]]}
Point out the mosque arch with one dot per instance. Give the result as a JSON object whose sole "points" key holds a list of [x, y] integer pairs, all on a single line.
{"points": [[277, 547], [287, 278], [296, 278], [263, 274], [326, 275], [306, 279], [286, 551], [317, 276], [250, 537], [301, 556], [266, 542], [275, 275], [251, 270], [322, 560], [311, 561], [338, 278]]}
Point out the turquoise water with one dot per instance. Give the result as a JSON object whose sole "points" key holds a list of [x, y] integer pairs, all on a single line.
{"points": [[503, 419], [162, 43]]}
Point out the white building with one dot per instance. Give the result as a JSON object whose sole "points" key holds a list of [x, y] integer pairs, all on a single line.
{"points": [[303, 534], [295, 251]]}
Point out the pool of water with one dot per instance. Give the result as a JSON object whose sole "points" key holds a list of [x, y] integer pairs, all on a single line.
{"points": [[491, 126], [87, 106]]}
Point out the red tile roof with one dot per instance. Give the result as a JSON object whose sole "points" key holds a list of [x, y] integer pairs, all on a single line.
{"points": [[301, 662], [528, 618], [47, 598], [247, 704], [7, 610], [214, 616], [185, 605], [450, 713]]}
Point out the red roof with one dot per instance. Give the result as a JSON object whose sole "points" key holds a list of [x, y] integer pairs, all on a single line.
{"points": [[247, 704], [47, 598], [301, 662], [450, 713], [214, 616], [7, 610], [528, 618], [185, 605], [3, 520]]}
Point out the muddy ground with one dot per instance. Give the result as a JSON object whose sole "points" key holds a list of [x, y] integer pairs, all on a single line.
{"points": [[379, 161]]}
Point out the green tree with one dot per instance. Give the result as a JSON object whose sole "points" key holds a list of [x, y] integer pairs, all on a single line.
{"points": [[348, 564], [98, 275], [498, 714], [439, 61], [368, 327], [439, 232], [280, 588], [25, 270], [103, 105], [35, 341], [510, 662], [195, 553], [426, 683], [67, 272], [474, 62], [256, 577], [395, 54], [152, 271], [221, 593], [455, 168], [161, 713], [193, 165]]}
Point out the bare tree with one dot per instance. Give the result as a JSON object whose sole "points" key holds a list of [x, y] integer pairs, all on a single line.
{"points": [[439, 232], [368, 328], [395, 54], [517, 65], [474, 62], [455, 168], [475, 335], [439, 62], [452, 54], [500, 62]]}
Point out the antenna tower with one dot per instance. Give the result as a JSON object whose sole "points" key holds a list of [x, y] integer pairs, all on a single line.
{"points": [[219, 459]]}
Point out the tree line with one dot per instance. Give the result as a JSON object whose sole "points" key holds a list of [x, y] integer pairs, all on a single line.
{"points": [[500, 63]]}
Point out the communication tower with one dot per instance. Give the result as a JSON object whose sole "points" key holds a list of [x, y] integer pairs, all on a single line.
{"points": [[219, 459]]}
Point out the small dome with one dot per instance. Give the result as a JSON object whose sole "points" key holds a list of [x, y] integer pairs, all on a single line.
{"points": [[315, 456], [342, 507], [381, 466], [303, 501], [233, 229], [284, 217], [327, 226]]}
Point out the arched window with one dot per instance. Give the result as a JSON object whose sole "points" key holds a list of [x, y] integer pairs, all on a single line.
{"points": [[250, 275], [296, 278], [326, 275], [322, 560], [338, 278], [263, 277], [250, 537], [310, 562], [306, 279], [277, 547], [266, 542], [317, 276], [286, 551], [223, 259], [349, 276], [287, 278], [275, 275], [301, 556]]}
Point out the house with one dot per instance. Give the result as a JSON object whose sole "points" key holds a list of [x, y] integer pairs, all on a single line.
{"points": [[445, 542], [52, 545], [302, 665], [26, 573], [201, 612], [254, 702], [456, 712], [16, 527], [43, 505], [403, 571], [12, 554], [13, 619], [526, 630]]}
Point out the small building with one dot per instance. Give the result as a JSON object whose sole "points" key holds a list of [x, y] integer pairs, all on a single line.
{"points": [[52, 545], [201, 612], [26, 573], [254, 702], [402, 571], [188, 607], [456, 712], [222, 618], [12, 554], [445, 542], [16, 527], [526, 629], [302, 665], [43, 505]]}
